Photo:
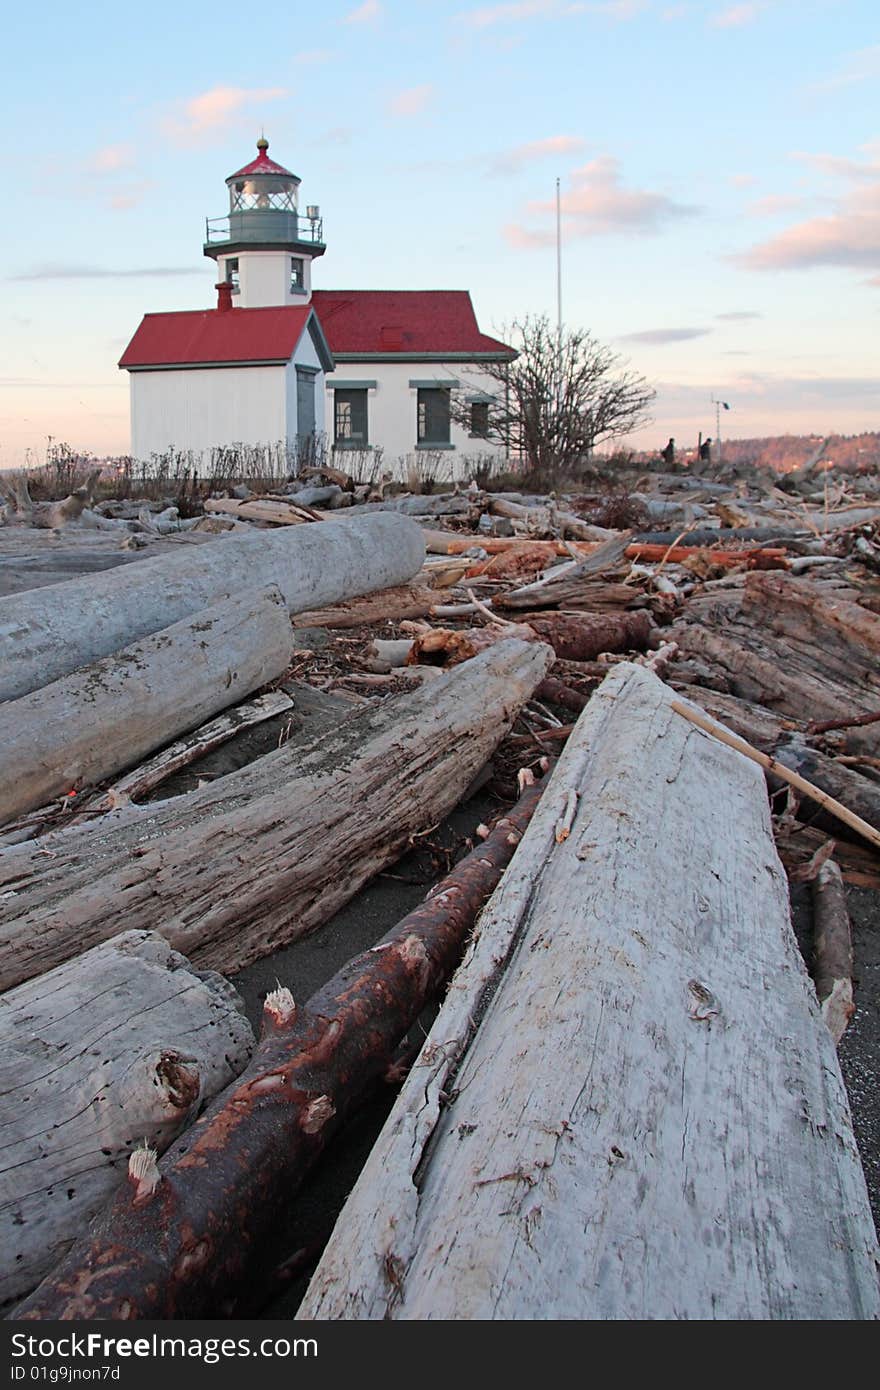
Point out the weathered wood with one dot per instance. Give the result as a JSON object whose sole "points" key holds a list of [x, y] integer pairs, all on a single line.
{"points": [[51, 631], [124, 1044], [628, 1106], [233, 870], [832, 949], [401, 601], [836, 779], [151, 774], [270, 510], [251, 1151], [777, 768], [105, 717]]}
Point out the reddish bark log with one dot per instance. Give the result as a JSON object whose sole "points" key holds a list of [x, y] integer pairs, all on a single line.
{"points": [[582, 636], [558, 693], [184, 1238]]}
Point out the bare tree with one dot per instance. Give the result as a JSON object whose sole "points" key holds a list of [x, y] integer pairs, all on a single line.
{"points": [[556, 400]]}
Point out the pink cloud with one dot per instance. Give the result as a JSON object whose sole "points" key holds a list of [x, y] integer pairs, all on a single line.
{"points": [[775, 203], [111, 158], [364, 14], [410, 101], [489, 15], [597, 203], [534, 150], [214, 109], [849, 237], [523, 239], [737, 16]]}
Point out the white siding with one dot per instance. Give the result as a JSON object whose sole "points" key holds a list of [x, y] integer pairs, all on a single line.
{"points": [[206, 406], [306, 355], [392, 409], [264, 279]]}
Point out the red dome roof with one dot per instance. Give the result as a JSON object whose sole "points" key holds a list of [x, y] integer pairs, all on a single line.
{"points": [[262, 165]]}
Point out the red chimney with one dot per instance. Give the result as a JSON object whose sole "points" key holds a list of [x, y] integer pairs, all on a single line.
{"points": [[224, 296]]}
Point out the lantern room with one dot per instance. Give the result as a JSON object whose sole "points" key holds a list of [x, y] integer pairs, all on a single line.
{"points": [[264, 246]]}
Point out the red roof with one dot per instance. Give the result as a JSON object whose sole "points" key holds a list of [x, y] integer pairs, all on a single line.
{"points": [[262, 165], [413, 323], [204, 336]]}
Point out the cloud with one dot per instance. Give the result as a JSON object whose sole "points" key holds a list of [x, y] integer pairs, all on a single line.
{"points": [[488, 16], [742, 180], [89, 272], [510, 160], [863, 66], [596, 204], [214, 109], [657, 336], [130, 195], [838, 166], [774, 203], [410, 101], [111, 159], [739, 316], [736, 16], [848, 237], [366, 13]]}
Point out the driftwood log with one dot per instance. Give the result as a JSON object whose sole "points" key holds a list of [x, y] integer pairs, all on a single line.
{"points": [[400, 601], [186, 1247], [124, 1044], [231, 871], [49, 632], [108, 715], [629, 1106], [832, 949]]}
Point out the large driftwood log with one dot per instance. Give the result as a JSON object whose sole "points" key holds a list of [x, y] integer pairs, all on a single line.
{"points": [[859, 794], [649, 1120], [232, 871], [51, 631], [832, 949], [107, 716], [188, 1246], [122, 1045]]}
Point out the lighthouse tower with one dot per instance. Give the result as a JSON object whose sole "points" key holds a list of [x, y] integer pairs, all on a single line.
{"points": [[264, 246]]}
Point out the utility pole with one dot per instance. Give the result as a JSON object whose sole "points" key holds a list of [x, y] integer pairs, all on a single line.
{"points": [[558, 296], [719, 406]]}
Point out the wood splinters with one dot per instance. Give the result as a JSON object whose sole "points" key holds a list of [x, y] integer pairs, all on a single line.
{"points": [[564, 824], [280, 1006], [143, 1172]]}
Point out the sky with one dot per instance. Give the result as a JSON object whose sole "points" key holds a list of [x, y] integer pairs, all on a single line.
{"points": [[719, 170]]}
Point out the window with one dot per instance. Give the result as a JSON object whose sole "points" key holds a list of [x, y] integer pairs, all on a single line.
{"points": [[350, 419], [297, 274], [232, 273], [433, 415], [480, 419]]}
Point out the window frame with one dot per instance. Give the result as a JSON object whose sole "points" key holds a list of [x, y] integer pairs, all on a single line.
{"points": [[425, 397], [232, 274], [351, 440], [298, 287]]}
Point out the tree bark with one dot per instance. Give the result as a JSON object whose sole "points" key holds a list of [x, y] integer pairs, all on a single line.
{"points": [[628, 1106], [859, 794], [51, 631], [107, 716], [206, 1227], [267, 854], [582, 636], [122, 1045]]}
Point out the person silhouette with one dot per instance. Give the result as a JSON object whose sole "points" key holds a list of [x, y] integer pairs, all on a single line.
{"points": [[668, 454]]}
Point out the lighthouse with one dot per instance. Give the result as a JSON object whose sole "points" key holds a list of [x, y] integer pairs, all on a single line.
{"points": [[278, 369], [264, 246]]}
